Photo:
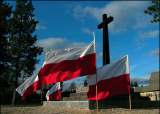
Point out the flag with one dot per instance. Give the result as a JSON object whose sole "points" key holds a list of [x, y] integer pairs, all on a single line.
{"points": [[54, 93], [28, 86], [68, 64], [112, 80]]}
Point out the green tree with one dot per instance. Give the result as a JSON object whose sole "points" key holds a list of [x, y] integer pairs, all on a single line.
{"points": [[154, 10], [85, 83], [134, 84], [5, 12], [23, 48]]}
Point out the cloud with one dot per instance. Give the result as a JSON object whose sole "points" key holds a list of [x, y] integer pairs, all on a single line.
{"points": [[87, 31], [41, 27], [51, 42], [127, 14], [58, 43], [150, 34], [99, 55], [155, 52], [144, 35], [78, 44], [133, 67]]}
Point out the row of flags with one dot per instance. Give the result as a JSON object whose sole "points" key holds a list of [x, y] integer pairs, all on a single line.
{"points": [[112, 80], [59, 66]]}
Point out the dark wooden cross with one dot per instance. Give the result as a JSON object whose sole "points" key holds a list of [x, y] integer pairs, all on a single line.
{"points": [[104, 26]]}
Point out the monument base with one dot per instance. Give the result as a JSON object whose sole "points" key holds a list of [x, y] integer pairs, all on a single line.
{"points": [[67, 104]]}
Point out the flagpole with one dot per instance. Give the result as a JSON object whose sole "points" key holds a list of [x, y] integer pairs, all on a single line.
{"points": [[130, 103], [96, 77], [42, 95], [96, 94]]}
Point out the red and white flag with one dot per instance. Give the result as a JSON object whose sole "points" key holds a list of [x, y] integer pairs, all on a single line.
{"points": [[112, 80], [68, 64], [54, 94], [28, 86]]}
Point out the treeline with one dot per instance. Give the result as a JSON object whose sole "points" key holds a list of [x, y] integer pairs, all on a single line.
{"points": [[18, 48]]}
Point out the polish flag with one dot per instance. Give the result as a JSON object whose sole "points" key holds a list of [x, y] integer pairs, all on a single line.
{"points": [[30, 85], [112, 80], [68, 64], [54, 94]]}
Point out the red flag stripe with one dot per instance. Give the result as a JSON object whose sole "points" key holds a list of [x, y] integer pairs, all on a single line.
{"points": [[119, 85], [32, 88], [68, 69], [56, 96], [54, 93], [28, 86], [112, 79]]}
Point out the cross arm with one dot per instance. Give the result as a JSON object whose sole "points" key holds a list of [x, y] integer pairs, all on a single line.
{"points": [[105, 21]]}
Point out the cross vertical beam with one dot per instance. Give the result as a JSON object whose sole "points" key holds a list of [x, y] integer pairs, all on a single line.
{"points": [[104, 26]]}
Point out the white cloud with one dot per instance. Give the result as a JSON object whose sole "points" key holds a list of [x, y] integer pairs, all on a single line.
{"points": [[51, 42], [133, 67], [155, 52], [87, 31], [58, 43], [143, 36], [127, 14], [99, 55], [78, 44], [41, 27], [150, 34]]}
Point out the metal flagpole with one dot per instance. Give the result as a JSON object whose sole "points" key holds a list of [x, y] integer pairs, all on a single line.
{"points": [[96, 76], [130, 103], [96, 94], [41, 96]]}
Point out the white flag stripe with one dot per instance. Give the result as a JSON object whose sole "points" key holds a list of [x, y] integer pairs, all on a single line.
{"points": [[69, 54], [27, 83], [89, 49], [118, 68], [53, 89]]}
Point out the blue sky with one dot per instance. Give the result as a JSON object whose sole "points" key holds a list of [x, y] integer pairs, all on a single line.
{"points": [[70, 23]]}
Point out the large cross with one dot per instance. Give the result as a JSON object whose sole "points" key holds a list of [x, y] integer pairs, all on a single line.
{"points": [[104, 26]]}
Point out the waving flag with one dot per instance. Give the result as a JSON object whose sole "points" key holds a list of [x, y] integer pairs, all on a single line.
{"points": [[30, 85], [68, 64], [54, 93], [112, 80]]}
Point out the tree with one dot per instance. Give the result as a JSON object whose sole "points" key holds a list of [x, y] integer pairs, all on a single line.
{"points": [[23, 48], [73, 87], [5, 12], [134, 84], [85, 83], [154, 10]]}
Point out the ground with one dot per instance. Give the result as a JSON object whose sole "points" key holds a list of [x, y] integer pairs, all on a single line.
{"points": [[52, 110]]}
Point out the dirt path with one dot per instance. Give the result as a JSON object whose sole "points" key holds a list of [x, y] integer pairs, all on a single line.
{"points": [[52, 110]]}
